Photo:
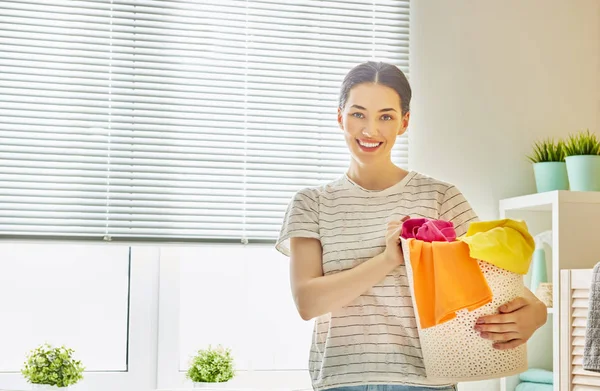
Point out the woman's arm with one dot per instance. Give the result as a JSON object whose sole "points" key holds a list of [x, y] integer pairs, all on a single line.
{"points": [[516, 322], [316, 294]]}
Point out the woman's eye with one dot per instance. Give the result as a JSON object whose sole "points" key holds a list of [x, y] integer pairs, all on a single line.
{"points": [[358, 115], [386, 117]]}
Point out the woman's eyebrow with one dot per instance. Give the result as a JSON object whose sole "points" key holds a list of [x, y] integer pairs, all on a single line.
{"points": [[381, 111]]}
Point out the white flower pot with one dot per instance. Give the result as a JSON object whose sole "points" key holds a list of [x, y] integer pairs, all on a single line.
{"points": [[211, 386], [46, 387]]}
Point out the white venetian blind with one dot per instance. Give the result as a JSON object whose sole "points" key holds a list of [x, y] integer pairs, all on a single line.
{"points": [[177, 120]]}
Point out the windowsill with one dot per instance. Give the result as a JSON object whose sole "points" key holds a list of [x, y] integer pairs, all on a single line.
{"points": [[237, 388], [253, 380]]}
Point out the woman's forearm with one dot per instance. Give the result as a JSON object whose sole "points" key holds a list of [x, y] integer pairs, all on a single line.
{"points": [[325, 294], [542, 312]]}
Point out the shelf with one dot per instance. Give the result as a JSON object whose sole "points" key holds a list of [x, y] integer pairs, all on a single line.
{"points": [[541, 202], [572, 217]]}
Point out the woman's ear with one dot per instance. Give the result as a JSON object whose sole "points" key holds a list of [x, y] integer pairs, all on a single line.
{"points": [[339, 118], [404, 124]]}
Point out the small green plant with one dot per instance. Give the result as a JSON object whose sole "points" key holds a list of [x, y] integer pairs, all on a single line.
{"points": [[582, 143], [211, 366], [52, 366], [547, 151]]}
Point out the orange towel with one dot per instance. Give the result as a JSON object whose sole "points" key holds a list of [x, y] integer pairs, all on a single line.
{"points": [[446, 279]]}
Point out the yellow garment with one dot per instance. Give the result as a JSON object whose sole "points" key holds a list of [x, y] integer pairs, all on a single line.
{"points": [[504, 243]]}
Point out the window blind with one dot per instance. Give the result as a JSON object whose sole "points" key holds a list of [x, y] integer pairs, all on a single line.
{"points": [[177, 120]]}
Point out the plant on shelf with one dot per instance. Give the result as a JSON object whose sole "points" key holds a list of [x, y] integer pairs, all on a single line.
{"points": [[50, 367], [211, 365], [548, 150], [582, 151], [549, 167], [582, 143]]}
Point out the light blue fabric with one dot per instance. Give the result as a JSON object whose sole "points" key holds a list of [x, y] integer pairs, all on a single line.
{"points": [[536, 375], [534, 387], [390, 387]]}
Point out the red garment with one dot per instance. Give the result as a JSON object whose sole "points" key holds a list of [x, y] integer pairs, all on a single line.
{"points": [[428, 230]]}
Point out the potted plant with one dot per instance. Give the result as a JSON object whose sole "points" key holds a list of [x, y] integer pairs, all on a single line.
{"points": [[582, 152], [50, 368], [211, 366], [549, 167]]}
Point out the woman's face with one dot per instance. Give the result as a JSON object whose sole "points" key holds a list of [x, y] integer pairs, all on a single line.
{"points": [[371, 121]]}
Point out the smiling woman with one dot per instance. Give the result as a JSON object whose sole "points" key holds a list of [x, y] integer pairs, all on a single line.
{"points": [[347, 268]]}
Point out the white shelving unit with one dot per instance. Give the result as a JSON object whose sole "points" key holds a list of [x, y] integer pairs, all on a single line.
{"points": [[574, 218]]}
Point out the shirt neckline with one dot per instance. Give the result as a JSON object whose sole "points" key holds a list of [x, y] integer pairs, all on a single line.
{"points": [[395, 187]]}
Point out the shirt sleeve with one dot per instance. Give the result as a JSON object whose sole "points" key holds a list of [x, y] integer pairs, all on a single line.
{"points": [[456, 209], [301, 220]]}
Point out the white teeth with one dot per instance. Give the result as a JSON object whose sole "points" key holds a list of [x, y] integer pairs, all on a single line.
{"points": [[368, 145]]}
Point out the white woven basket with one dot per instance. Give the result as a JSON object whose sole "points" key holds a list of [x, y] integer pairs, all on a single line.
{"points": [[453, 351]]}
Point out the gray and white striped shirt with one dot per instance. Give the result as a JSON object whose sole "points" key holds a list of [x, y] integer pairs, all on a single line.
{"points": [[374, 339]]}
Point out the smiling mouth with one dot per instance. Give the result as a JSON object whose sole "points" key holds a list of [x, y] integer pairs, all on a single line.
{"points": [[368, 146]]}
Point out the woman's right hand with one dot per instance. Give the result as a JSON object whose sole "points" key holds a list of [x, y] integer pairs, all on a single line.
{"points": [[393, 251]]}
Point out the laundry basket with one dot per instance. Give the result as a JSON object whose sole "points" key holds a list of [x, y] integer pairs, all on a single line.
{"points": [[453, 351]]}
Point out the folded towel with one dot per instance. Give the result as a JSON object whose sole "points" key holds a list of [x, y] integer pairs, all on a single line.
{"points": [[534, 387], [591, 350], [536, 375]]}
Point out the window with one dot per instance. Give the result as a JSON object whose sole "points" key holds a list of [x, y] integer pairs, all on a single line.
{"points": [[186, 120], [240, 297], [64, 294]]}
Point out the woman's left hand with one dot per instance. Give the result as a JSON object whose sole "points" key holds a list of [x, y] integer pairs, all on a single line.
{"points": [[516, 322]]}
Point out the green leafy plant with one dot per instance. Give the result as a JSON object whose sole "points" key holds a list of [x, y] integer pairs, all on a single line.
{"points": [[52, 366], [211, 365], [582, 143], [548, 151]]}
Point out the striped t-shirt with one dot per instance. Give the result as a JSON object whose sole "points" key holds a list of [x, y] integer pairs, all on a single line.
{"points": [[374, 339]]}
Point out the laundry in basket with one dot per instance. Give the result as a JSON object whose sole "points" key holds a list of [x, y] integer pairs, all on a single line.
{"points": [[452, 350]]}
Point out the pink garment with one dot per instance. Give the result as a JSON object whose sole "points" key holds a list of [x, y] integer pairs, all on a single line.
{"points": [[428, 230]]}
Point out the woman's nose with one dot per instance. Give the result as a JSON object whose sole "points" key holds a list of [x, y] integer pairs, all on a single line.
{"points": [[369, 131]]}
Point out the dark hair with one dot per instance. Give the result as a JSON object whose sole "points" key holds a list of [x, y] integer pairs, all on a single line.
{"points": [[379, 73]]}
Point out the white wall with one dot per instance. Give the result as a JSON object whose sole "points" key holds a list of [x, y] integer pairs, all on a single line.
{"points": [[489, 78]]}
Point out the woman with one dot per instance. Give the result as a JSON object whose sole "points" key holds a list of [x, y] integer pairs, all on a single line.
{"points": [[346, 264]]}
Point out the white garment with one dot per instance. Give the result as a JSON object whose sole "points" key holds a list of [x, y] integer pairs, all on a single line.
{"points": [[374, 339]]}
